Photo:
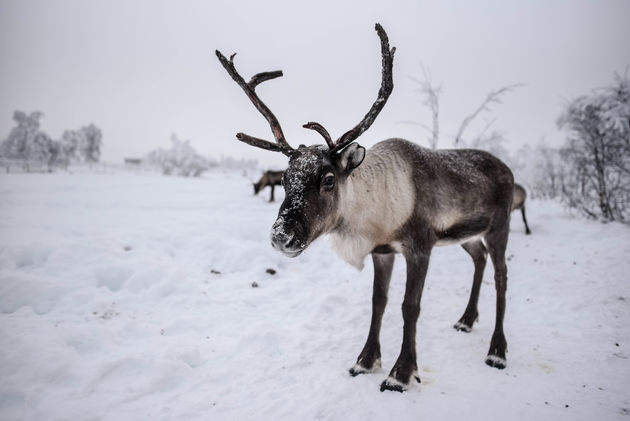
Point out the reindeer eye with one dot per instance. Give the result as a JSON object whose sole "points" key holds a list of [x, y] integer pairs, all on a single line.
{"points": [[328, 181]]}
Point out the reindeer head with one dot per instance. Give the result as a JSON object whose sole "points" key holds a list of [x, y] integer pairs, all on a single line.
{"points": [[312, 184], [316, 174]]}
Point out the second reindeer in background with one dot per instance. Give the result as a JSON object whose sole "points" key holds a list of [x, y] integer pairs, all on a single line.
{"points": [[271, 179], [520, 195]]}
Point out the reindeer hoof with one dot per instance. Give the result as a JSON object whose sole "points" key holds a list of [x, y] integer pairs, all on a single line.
{"points": [[396, 385], [496, 362], [462, 327], [466, 322], [389, 384], [360, 369]]}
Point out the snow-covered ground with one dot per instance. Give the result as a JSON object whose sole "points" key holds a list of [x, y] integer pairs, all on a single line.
{"points": [[141, 297]]}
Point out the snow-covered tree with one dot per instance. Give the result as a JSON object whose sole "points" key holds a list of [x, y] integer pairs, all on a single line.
{"points": [[181, 159], [58, 156], [25, 138], [540, 169], [597, 152], [229, 163], [70, 142], [38, 149], [27, 143], [90, 143]]}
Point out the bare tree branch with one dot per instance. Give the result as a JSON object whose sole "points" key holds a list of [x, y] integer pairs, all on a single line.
{"points": [[417, 123], [483, 131], [494, 97], [432, 100]]}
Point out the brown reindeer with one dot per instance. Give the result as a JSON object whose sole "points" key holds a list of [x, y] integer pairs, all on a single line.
{"points": [[271, 179], [520, 195], [396, 197]]}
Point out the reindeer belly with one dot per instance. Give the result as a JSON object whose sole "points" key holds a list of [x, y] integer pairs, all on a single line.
{"points": [[462, 232]]}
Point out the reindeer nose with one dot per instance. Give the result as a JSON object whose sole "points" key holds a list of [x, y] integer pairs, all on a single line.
{"points": [[281, 235], [280, 240]]}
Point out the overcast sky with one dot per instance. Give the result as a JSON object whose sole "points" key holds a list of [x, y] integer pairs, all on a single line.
{"points": [[141, 70]]}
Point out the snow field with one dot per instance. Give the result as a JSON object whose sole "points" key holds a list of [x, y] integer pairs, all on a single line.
{"points": [[131, 296]]}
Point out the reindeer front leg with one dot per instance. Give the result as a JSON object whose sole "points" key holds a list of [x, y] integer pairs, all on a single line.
{"points": [[406, 366], [370, 357]]}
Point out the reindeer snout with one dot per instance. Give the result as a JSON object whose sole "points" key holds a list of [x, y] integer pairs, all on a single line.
{"points": [[284, 238], [280, 240]]}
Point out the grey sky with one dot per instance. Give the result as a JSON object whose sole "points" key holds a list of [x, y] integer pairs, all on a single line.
{"points": [[143, 69]]}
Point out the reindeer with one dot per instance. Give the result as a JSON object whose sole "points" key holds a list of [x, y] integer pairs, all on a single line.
{"points": [[519, 203], [271, 179], [396, 197]]}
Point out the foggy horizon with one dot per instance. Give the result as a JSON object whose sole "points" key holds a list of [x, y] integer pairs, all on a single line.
{"points": [[143, 70]]}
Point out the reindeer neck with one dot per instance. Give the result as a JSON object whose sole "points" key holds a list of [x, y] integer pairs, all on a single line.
{"points": [[375, 201]]}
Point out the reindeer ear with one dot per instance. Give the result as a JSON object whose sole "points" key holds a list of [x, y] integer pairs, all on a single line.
{"points": [[351, 157]]}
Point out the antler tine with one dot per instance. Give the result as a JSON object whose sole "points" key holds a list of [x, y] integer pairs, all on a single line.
{"points": [[263, 144], [322, 131], [387, 85], [261, 77], [281, 144]]}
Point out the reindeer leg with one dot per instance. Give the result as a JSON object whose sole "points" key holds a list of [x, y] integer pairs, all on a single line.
{"points": [[527, 231], [406, 366], [271, 199], [497, 242], [370, 357], [479, 254]]}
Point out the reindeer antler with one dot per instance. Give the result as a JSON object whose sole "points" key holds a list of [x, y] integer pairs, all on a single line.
{"points": [[387, 85], [321, 130], [281, 144]]}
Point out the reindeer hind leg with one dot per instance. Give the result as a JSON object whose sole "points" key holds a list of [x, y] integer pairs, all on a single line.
{"points": [[479, 254], [527, 230], [496, 241]]}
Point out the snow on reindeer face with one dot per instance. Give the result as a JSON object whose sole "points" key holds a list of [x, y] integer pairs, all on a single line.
{"points": [[309, 206]]}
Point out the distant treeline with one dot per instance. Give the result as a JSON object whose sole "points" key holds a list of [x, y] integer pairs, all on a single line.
{"points": [[589, 173], [181, 159], [28, 146]]}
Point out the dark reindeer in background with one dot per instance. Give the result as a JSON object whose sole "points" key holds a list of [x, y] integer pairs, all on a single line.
{"points": [[271, 179], [520, 195], [396, 197]]}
